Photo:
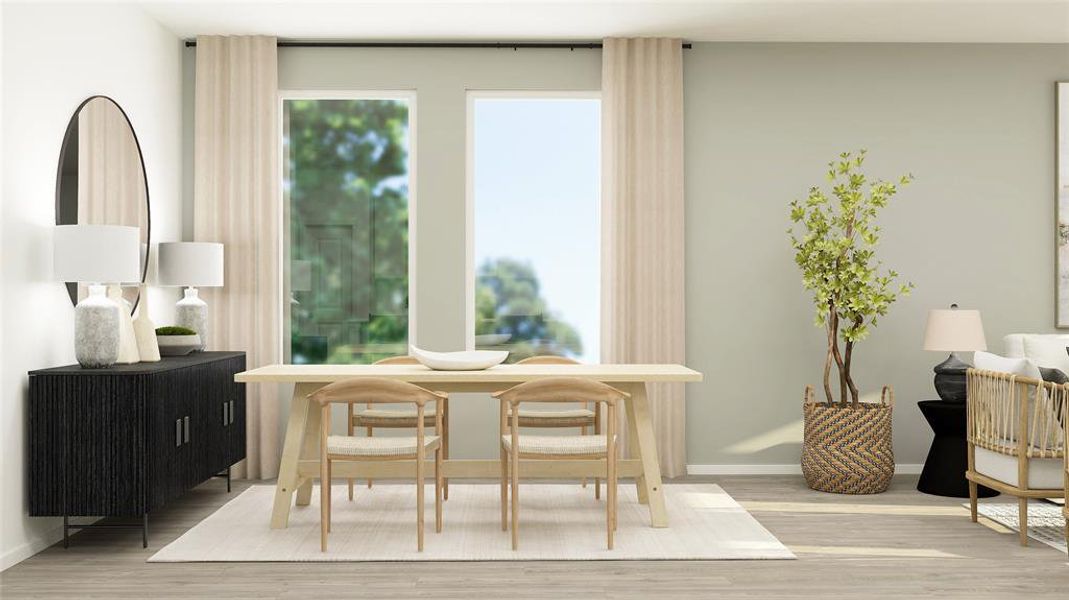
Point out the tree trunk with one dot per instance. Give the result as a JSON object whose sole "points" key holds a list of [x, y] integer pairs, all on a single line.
{"points": [[828, 357], [838, 358], [849, 376]]}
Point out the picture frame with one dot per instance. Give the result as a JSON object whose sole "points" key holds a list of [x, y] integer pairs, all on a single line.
{"points": [[1061, 191]]}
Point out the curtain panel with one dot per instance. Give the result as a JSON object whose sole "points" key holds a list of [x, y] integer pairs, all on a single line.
{"points": [[642, 304], [236, 202]]}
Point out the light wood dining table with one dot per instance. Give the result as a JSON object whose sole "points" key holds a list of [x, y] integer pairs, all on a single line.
{"points": [[300, 450]]}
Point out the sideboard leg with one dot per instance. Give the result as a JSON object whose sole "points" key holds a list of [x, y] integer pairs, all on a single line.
{"points": [[228, 480], [144, 530], [66, 525]]}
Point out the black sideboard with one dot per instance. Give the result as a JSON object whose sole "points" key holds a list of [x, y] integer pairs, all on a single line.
{"points": [[123, 441]]}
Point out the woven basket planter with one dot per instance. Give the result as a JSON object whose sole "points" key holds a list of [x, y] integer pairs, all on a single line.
{"points": [[847, 449]]}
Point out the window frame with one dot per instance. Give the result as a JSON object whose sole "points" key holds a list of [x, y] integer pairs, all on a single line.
{"points": [[469, 182], [409, 95]]}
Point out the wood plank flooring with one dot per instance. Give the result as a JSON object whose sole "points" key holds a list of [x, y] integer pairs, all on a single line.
{"points": [[900, 544]]}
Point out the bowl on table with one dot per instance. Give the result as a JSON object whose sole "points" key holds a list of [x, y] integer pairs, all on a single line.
{"points": [[465, 360]]}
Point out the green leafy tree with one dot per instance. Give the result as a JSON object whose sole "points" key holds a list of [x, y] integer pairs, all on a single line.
{"points": [[508, 301], [347, 183], [834, 240]]}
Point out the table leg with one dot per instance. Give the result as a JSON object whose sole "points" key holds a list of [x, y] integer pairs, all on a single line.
{"points": [[309, 451], [643, 446], [291, 454]]}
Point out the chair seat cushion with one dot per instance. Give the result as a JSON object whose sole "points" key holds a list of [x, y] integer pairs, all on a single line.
{"points": [[575, 413], [377, 446], [558, 444], [1043, 473]]}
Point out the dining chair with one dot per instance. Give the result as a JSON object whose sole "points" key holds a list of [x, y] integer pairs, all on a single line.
{"points": [[348, 447], [515, 446], [1015, 438], [584, 418], [393, 418]]}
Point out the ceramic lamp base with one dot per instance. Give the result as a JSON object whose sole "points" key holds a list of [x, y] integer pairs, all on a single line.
{"points": [[96, 330], [192, 312], [950, 379]]}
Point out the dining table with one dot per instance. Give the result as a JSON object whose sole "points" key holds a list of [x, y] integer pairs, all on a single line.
{"points": [[300, 451]]}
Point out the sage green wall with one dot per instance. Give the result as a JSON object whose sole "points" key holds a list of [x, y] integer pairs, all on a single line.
{"points": [[974, 123]]}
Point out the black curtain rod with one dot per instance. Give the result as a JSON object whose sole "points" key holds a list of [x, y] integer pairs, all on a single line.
{"points": [[497, 45]]}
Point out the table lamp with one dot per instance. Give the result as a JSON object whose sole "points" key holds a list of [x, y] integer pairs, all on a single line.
{"points": [[191, 264], [953, 330], [96, 255]]}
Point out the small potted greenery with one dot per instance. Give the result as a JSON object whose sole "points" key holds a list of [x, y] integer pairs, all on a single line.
{"points": [[177, 341], [846, 446]]}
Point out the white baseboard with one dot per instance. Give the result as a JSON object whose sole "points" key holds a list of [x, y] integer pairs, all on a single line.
{"points": [[789, 469], [23, 551]]}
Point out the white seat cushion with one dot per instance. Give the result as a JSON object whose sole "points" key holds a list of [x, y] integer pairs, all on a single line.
{"points": [[376, 446], [558, 444], [1043, 473], [576, 413], [1047, 352]]}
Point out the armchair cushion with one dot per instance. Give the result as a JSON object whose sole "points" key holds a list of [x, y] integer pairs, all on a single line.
{"points": [[1043, 473]]}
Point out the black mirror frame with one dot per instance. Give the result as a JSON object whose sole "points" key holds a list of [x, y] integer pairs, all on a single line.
{"points": [[72, 288]]}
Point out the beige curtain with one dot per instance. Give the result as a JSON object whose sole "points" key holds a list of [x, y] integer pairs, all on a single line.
{"points": [[236, 202], [642, 302]]}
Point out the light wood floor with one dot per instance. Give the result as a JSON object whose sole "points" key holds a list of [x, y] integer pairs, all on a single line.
{"points": [[901, 544]]}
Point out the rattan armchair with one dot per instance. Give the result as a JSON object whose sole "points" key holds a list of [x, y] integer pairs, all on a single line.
{"points": [[556, 448], [1016, 438], [393, 418]]}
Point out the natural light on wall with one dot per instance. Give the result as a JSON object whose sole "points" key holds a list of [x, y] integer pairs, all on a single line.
{"points": [[535, 193], [346, 185]]}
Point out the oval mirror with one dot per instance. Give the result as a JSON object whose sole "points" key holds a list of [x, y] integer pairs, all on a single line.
{"points": [[101, 178]]}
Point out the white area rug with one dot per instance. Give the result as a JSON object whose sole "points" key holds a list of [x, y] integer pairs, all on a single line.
{"points": [[1045, 521], [557, 522]]}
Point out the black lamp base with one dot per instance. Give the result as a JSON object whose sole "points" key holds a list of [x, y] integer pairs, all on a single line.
{"points": [[950, 379]]}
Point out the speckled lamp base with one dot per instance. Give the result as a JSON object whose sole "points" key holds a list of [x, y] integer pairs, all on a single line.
{"points": [[192, 312], [96, 330]]}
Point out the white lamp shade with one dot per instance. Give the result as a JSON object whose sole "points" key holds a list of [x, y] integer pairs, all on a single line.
{"points": [[195, 264], [954, 330], [96, 253]]}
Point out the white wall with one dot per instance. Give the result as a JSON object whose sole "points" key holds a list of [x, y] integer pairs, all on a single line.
{"points": [[54, 56]]}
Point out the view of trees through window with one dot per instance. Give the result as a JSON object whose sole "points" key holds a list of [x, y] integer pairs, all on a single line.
{"points": [[346, 181], [536, 192]]}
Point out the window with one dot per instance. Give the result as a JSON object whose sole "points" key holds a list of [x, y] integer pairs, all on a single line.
{"points": [[534, 186], [346, 182]]}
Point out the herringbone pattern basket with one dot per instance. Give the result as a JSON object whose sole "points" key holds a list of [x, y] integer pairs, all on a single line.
{"points": [[847, 449]]}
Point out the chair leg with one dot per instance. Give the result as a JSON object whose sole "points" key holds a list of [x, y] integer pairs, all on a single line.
{"points": [[438, 490], [419, 500], [350, 430], [370, 432], [327, 485], [597, 431], [1022, 515], [610, 501], [504, 489], [324, 504], [973, 495], [445, 444], [582, 431], [515, 475]]}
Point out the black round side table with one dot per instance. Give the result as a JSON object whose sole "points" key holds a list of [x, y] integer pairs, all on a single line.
{"points": [[948, 458]]}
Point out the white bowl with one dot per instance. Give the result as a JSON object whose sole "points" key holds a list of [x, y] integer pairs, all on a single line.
{"points": [[467, 360], [178, 345]]}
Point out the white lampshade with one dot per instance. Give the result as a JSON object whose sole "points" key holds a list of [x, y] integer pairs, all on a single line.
{"points": [[194, 264], [954, 330], [96, 253]]}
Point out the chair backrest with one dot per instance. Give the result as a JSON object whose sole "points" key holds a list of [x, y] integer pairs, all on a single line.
{"points": [[397, 360], [374, 390], [561, 389], [1015, 415], [547, 359]]}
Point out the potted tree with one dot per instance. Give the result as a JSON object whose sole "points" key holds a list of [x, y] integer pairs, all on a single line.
{"points": [[847, 443]]}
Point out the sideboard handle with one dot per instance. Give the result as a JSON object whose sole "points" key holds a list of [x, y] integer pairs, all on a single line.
{"points": [[186, 419], [178, 433], [226, 415], [231, 412]]}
